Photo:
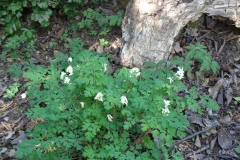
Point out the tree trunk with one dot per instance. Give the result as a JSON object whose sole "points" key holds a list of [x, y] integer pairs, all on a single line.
{"points": [[150, 26]]}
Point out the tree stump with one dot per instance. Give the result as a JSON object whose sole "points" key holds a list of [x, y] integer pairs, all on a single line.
{"points": [[150, 26]]}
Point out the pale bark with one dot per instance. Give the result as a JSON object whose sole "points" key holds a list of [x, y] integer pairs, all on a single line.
{"points": [[150, 26]]}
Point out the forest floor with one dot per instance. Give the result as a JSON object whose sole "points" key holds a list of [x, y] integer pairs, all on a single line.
{"points": [[223, 43]]}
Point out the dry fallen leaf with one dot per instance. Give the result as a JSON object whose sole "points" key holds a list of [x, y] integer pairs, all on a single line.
{"points": [[7, 126], [177, 48], [213, 91], [223, 139], [8, 136], [1, 89], [11, 153], [198, 142], [21, 137], [192, 31], [60, 33], [213, 142], [194, 118], [228, 95]]}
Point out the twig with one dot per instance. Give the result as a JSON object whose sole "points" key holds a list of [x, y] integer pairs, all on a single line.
{"points": [[198, 151], [222, 46], [191, 136], [198, 39]]}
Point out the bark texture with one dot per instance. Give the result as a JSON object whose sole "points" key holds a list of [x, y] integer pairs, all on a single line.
{"points": [[150, 26]]}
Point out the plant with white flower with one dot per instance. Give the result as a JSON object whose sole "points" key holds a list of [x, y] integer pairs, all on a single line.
{"points": [[109, 117], [23, 95], [69, 70], [99, 96], [70, 59], [105, 67], [135, 72], [170, 79], [180, 73], [124, 100], [67, 80], [62, 75], [167, 103], [165, 111], [82, 104]]}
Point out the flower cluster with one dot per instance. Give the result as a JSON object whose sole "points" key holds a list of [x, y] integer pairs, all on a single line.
{"points": [[135, 72], [109, 117], [23, 95], [69, 70], [124, 100], [82, 104], [165, 110], [99, 96], [105, 67], [180, 73]]}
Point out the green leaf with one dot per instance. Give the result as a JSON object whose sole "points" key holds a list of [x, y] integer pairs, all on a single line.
{"points": [[148, 142], [14, 7], [42, 16], [237, 149], [237, 98]]}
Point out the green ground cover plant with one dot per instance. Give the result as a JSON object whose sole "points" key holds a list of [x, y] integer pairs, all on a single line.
{"points": [[12, 90], [86, 113], [12, 11], [94, 21], [20, 44]]}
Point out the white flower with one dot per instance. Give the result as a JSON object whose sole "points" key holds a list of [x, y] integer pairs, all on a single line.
{"points": [[124, 100], [167, 103], [170, 79], [38, 145], [70, 59], [109, 117], [105, 67], [99, 96], [67, 80], [82, 104], [23, 95], [62, 75], [135, 72], [165, 111], [69, 70], [180, 73]]}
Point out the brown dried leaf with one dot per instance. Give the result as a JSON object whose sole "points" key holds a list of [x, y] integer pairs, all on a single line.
{"points": [[236, 65], [60, 33], [1, 89], [213, 142], [192, 31], [8, 136], [223, 139], [11, 153], [7, 126], [177, 48], [213, 91], [198, 142], [194, 118], [21, 137], [228, 95]]}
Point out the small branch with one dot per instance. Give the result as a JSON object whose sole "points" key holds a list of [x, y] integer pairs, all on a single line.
{"points": [[191, 136]]}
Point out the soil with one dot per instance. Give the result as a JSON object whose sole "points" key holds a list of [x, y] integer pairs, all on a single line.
{"points": [[223, 43]]}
